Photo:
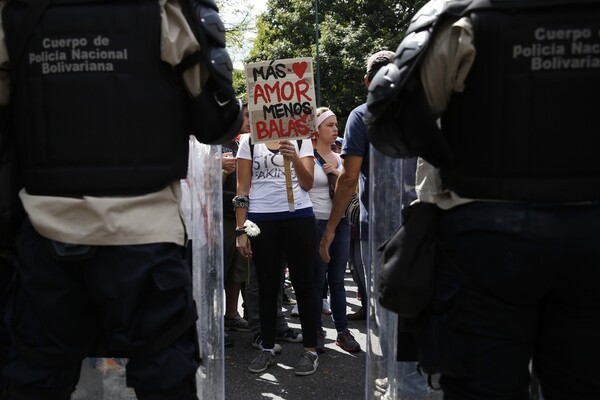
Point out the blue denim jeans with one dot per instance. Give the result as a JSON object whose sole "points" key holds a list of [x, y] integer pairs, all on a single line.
{"points": [[333, 273], [358, 271]]}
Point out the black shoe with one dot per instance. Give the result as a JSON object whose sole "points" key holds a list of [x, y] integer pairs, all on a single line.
{"points": [[257, 343], [236, 323], [289, 335], [360, 315], [347, 342]]}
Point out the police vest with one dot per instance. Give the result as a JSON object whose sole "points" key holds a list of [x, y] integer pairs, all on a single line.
{"points": [[526, 126], [96, 111]]}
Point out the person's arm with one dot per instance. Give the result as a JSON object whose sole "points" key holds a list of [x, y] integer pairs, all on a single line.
{"points": [[304, 166], [228, 165], [346, 186], [244, 176]]}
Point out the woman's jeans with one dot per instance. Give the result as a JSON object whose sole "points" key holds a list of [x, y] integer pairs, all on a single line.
{"points": [[333, 273]]}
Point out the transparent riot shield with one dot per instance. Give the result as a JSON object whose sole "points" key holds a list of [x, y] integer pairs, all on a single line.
{"points": [[104, 378], [385, 191], [391, 185], [205, 184]]}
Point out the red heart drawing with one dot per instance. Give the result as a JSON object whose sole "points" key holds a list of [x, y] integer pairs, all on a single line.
{"points": [[299, 68]]}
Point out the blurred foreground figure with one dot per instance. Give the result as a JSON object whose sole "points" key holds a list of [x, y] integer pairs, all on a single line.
{"points": [[100, 98], [500, 101]]}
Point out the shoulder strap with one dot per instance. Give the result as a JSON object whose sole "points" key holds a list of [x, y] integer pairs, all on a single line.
{"points": [[319, 157], [331, 178]]}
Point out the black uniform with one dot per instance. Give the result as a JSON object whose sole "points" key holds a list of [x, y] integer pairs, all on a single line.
{"points": [[517, 271], [95, 111]]}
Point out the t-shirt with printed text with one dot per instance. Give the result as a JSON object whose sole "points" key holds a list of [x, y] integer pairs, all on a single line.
{"points": [[268, 192]]}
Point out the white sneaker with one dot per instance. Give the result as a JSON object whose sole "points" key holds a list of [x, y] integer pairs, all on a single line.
{"points": [[295, 312], [326, 307]]}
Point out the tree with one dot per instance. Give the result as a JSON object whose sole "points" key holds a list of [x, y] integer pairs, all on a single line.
{"points": [[349, 31], [239, 20]]}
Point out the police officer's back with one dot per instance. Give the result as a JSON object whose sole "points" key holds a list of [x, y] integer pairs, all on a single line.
{"points": [[106, 96], [513, 84]]}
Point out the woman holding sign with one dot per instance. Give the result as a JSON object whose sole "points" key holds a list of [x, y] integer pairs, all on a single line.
{"points": [[269, 229], [328, 165]]}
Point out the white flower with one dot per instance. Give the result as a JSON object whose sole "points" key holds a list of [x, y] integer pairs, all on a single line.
{"points": [[251, 228]]}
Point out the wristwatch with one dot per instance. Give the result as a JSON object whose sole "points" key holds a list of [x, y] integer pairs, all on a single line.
{"points": [[240, 231]]}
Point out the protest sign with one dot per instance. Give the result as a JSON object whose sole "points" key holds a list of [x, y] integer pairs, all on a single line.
{"points": [[281, 99], [281, 105]]}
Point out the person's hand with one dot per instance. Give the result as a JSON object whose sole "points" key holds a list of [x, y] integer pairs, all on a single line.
{"points": [[287, 149], [326, 241], [228, 163], [330, 169], [242, 243]]}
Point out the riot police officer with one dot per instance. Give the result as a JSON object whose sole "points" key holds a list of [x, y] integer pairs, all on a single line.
{"points": [[104, 96], [499, 98]]}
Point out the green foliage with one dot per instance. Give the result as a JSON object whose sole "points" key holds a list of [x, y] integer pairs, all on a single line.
{"points": [[237, 17], [349, 31], [239, 84]]}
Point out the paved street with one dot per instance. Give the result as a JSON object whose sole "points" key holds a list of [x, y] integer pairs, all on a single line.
{"points": [[340, 374]]}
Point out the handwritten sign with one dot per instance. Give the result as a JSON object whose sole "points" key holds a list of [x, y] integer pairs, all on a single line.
{"points": [[281, 100]]}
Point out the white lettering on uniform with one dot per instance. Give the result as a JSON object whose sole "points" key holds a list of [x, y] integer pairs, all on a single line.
{"points": [[73, 43], [562, 34]]}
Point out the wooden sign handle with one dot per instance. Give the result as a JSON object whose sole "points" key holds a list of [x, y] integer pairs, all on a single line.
{"points": [[288, 183]]}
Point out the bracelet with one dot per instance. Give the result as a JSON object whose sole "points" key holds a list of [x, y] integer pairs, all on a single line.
{"points": [[240, 231], [241, 201]]}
